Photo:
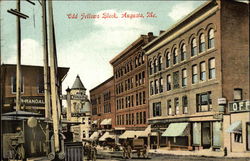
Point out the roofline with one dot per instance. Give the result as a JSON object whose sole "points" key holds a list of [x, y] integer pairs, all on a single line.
{"points": [[107, 80], [127, 49], [180, 22]]}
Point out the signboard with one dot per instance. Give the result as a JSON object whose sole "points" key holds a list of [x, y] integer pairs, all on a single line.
{"points": [[239, 106], [28, 100], [74, 97]]}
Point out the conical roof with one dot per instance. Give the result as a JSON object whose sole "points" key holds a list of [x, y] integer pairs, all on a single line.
{"points": [[78, 84]]}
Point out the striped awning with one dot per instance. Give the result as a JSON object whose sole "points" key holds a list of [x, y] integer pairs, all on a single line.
{"points": [[176, 129], [235, 127]]}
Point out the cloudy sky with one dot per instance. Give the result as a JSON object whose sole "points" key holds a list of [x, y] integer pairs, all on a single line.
{"points": [[87, 45]]}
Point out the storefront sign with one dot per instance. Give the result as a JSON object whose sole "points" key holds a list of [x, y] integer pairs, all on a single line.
{"points": [[74, 97], [239, 106], [28, 100]]}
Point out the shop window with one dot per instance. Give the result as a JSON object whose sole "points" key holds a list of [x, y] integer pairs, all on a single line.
{"points": [[211, 68], [176, 79], [169, 107], [168, 60], [237, 94], [238, 137], [168, 82], [211, 38], [194, 74], [183, 52], [202, 71], [204, 102], [202, 43], [156, 109], [193, 47], [13, 84], [184, 77], [185, 104], [175, 58]]}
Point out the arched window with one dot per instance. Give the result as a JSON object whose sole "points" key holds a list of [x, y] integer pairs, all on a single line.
{"points": [[139, 60], [175, 58], [193, 47], [150, 67], [160, 63], [143, 58], [183, 52], [211, 38], [155, 65], [202, 43], [168, 61], [136, 62]]}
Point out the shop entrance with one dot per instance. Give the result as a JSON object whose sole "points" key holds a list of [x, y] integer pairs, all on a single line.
{"points": [[206, 135]]}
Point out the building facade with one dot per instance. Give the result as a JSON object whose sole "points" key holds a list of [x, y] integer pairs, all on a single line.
{"points": [[130, 83], [195, 67]]}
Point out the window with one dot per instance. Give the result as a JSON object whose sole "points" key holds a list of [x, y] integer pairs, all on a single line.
{"points": [[211, 38], [193, 47], [211, 68], [161, 85], [168, 61], [132, 81], [140, 98], [144, 97], [127, 119], [176, 79], [184, 78], [40, 85], [143, 58], [183, 52], [176, 105], [168, 82], [155, 65], [137, 118], [156, 86], [202, 71], [238, 137], [194, 74], [132, 121], [237, 94], [136, 62], [151, 88], [159, 63], [137, 99], [13, 84], [185, 104], [202, 43], [169, 107], [132, 100], [144, 117], [143, 77], [175, 58], [156, 109], [140, 117], [150, 67], [204, 102]]}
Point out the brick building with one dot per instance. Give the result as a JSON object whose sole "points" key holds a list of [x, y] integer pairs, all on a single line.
{"points": [[130, 82], [195, 68]]}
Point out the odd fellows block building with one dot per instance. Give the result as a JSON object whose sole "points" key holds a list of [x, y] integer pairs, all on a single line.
{"points": [[195, 68], [131, 86]]}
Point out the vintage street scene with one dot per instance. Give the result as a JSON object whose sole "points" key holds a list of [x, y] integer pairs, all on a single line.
{"points": [[125, 80]]}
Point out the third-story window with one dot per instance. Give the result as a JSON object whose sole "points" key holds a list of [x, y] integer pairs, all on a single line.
{"points": [[184, 77], [161, 85], [211, 67], [151, 88], [183, 52], [202, 43], [202, 71], [169, 107], [176, 106], [159, 63], [150, 67], [156, 109], [168, 61], [176, 79], [168, 82], [155, 65], [204, 102], [193, 47], [185, 104], [211, 38], [175, 58], [156, 86], [194, 74]]}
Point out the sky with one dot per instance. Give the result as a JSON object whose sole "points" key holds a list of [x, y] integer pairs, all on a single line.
{"points": [[86, 45]]}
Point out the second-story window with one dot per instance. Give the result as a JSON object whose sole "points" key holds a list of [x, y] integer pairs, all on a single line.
{"points": [[202, 71], [184, 77], [211, 67], [211, 38], [156, 109], [169, 107], [159, 63], [156, 86], [183, 52], [176, 106], [175, 58], [150, 67], [194, 74], [168, 60], [176, 79], [185, 104], [204, 102], [155, 65], [168, 82], [161, 85], [151, 88], [202, 45], [193, 47]]}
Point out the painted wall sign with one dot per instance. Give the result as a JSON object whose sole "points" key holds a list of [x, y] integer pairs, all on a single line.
{"points": [[239, 106]]}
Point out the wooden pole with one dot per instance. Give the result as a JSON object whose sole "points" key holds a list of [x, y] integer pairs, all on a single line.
{"points": [[55, 115], [18, 65]]}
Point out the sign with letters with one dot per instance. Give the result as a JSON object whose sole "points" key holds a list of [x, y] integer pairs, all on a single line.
{"points": [[239, 106]]}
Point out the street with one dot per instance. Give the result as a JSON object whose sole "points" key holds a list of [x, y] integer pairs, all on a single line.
{"points": [[115, 156]]}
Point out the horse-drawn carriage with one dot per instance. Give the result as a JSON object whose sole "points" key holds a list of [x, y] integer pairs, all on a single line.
{"points": [[135, 146]]}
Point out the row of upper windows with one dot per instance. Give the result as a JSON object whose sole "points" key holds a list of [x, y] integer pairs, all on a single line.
{"points": [[131, 118], [128, 101], [128, 67], [174, 57], [156, 86]]}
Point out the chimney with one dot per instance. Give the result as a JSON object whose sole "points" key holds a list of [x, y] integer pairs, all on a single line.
{"points": [[161, 31], [150, 36]]}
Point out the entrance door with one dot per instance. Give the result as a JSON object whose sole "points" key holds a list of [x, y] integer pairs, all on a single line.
{"points": [[206, 135], [248, 136]]}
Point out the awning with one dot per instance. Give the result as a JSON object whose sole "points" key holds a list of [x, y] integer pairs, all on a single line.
{"points": [[176, 129], [94, 122], [133, 134], [106, 135], [235, 127], [94, 136], [106, 122]]}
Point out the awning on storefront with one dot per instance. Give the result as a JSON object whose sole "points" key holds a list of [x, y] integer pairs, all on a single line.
{"points": [[120, 128], [106, 135], [106, 122], [176, 129], [94, 136], [103, 122], [133, 134], [235, 127]]}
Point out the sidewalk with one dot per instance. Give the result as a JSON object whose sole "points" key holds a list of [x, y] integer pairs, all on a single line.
{"points": [[204, 152]]}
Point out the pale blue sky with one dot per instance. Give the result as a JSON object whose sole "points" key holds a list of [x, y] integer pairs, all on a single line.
{"points": [[86, 46]]}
